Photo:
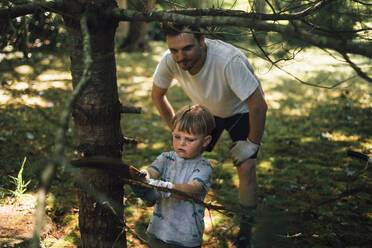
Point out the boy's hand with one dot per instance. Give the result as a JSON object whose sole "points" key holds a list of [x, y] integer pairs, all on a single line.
{"points": [[162, 184], [135, 174]]}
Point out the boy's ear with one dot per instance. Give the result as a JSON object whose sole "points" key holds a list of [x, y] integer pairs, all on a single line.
{"points": [[207, 140]]}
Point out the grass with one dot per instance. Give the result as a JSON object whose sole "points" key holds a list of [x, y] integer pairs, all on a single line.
{"points": [[302, 162], [19, 183]]}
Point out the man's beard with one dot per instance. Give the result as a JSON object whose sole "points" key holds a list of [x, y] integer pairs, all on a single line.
{"points": [[188, 64]]}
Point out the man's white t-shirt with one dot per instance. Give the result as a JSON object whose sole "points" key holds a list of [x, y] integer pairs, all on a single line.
{"points": [[223, 83]]}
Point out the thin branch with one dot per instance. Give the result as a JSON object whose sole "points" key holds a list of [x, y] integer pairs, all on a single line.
{"points": [[271, 6], [58, 156], [363, 3], [335, 32], [290, 74], [356, 68], [344, 194]]}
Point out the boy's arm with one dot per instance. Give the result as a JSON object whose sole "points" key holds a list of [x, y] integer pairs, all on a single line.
{"points": [[192, 188], [152, 173]]}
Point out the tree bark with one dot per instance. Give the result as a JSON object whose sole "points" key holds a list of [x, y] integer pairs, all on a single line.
{"points": [[97, 122], [136, 40], [123, 28]]}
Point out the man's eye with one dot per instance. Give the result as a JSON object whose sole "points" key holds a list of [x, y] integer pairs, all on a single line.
{"points": [[188, 48]]}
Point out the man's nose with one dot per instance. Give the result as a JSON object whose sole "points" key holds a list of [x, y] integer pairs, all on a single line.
{"points": [[180, 56]]}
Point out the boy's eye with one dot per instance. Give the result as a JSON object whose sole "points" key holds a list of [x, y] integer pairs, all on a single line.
{"points": [[189, 139], [176, 136]]}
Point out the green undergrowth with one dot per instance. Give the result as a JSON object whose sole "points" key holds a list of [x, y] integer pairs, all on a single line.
{"points": [[311, 194]]}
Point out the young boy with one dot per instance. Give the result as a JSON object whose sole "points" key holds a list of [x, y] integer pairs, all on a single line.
{"points": [[176, 221]]}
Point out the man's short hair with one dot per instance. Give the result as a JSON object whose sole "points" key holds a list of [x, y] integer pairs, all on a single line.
{"points": [[174, 29]]}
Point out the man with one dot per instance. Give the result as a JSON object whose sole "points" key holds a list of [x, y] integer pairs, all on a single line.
{"points": [[218, 76]]}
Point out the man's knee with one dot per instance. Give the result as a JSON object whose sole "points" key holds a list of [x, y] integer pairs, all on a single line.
{"points": [[247, 170]]}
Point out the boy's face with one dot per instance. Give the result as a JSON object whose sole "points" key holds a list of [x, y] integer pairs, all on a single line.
{"points": [[187, 145]]}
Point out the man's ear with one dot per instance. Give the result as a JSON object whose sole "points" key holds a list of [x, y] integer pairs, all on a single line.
{"points": [[207, 140], [202, 40]]}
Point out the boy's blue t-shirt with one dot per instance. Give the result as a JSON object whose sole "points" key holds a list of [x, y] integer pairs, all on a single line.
{"points": [[174, 221]]}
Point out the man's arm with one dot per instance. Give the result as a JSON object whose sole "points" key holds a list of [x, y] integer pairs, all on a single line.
{"points": [[162, 104], [257, 115]]}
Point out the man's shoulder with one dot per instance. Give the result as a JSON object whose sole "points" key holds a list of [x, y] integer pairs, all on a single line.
{"points": [[167, 57], [222, 49]]}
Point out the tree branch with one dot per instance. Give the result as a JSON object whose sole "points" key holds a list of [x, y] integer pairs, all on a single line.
{"points": [[356, 68], [255, 16], [30, 8], [322, 41], [216, 17]]}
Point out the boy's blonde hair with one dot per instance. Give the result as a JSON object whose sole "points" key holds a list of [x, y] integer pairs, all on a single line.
{"points": [[194, 119]]}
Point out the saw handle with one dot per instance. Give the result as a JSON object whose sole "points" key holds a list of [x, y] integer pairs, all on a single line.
{"points": [[357, 155]]}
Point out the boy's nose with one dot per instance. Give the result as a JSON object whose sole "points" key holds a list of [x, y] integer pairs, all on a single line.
{"points": [[183, 142]]}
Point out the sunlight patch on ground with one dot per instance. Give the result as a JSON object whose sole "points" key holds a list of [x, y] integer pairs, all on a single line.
{"points": [[35, 101], [312, 66], [7, 98], [307, 139], [51, 75], [158, 145], [141, 146], [139, 86], [294, 112], [24, 69], [367, 144], [337, 136], [266, 165], [49, 79], [274, 98]]}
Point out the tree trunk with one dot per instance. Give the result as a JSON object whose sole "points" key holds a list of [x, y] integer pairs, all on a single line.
{"points": [[123, 28], [136, 40], [97, 123]]}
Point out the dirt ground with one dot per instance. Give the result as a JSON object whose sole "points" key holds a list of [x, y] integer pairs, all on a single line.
{"points": [[16, 225]]}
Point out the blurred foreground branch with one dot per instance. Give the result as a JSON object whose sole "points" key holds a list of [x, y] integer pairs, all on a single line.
{"points": [[60, 142]]}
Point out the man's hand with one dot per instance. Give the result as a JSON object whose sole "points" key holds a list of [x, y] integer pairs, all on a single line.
{"points": [[243, 150]]}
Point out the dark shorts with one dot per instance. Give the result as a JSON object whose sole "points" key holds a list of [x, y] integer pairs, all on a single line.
{"points": [[237, 126]]}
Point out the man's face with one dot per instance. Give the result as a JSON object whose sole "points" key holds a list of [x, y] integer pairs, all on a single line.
{"points": [[187, 51]]}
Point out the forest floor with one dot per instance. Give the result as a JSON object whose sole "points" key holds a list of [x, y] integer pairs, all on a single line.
{"points": [[311, 194]]}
